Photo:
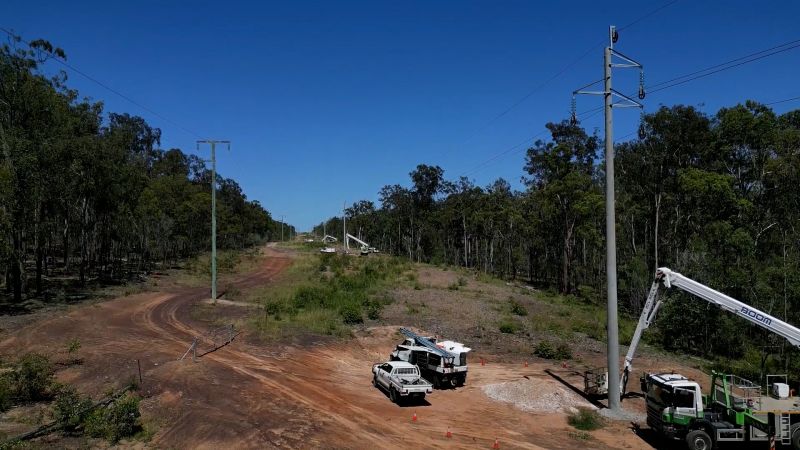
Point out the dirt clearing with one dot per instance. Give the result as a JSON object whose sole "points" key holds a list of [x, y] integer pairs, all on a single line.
{"points": [[252, 395]]}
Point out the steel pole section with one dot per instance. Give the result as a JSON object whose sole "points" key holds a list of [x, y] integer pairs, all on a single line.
{"points": [[213, 223], [611, 245]]}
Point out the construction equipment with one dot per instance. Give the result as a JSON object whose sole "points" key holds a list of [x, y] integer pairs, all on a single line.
{"points": [[328, 239], [365, 248], [595, 383], [442, 362], [736, 410]]}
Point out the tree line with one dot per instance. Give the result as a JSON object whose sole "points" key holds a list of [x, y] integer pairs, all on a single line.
{"points": [[716, 197], [93, 195]]}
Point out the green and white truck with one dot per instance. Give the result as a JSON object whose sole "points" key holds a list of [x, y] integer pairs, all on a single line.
{"points": [[736, 410]]}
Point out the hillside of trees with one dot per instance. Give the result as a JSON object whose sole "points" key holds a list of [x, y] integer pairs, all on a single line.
{"points": [[714, 197], [92, 196]]}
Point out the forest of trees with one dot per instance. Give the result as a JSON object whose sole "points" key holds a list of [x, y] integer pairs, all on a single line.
{"points": [[714, 197], [93, 195]]}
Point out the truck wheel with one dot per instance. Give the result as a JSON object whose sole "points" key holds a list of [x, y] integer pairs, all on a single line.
{"points": [[375, 381], [460, 380], [437, 383], [795, 434], [393, 395], [698, 440]]}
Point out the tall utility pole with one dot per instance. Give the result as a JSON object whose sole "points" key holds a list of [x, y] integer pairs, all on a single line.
{"points": [[213, 144], [281, 227], [344, 225], [609, 94]]}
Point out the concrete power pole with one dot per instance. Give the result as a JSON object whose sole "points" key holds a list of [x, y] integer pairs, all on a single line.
{"points": [[608, 93], [214, 213], [344, 226], [282, 227]]}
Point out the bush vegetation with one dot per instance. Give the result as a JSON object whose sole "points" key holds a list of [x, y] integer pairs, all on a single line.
{"points": [[326, 294], [586, 419]]}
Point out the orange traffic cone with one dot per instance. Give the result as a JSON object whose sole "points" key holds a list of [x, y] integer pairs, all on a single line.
{"points": [[496, 444], [414, 417], [526, 363], [483, 363], [448, 434]]}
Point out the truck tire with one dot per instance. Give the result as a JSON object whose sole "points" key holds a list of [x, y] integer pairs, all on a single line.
{"points": [[460, 380], [375, 380], [698, 440], [795, 434], [437, 382], [393, 395]]}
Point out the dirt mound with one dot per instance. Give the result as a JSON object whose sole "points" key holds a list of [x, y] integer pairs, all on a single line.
{"points": [[535, 395]]}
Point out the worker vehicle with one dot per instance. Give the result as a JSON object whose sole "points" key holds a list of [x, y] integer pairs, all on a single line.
{"points": [[736, 410], [365, 248], [442, 362], [401, 380]]}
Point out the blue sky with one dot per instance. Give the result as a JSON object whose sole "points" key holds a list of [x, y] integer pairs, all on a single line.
{"points": [[328, 101]]}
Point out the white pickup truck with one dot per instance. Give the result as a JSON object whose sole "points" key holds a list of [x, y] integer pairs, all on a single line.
{"points": [[401, 380]]}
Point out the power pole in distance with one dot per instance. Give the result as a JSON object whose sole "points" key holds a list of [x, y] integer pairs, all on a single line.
{"points": [[282, 227], [608, 93], [213, 144]]}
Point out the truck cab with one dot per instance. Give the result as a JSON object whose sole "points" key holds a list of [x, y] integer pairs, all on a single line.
{"points": [[443, 371], [673, 403]]}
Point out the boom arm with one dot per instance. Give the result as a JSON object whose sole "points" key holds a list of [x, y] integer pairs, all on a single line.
{"points": [[350, 236], [670, 279]]}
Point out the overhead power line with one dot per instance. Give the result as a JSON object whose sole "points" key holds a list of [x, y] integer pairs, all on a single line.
{"points": [[106, 87], [667, 84], [555, 76]]}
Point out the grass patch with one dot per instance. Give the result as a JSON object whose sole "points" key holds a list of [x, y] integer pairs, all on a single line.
{"points": [[508, 326], [580, 435], [516, 308], [546, 349], [586, 419], [327, 294]]}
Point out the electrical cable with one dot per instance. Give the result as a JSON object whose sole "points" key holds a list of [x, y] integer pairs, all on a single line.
{"points": [[106, 87]]}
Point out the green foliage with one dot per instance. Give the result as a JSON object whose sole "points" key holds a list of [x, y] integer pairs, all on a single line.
{"points": [[31, 378], [453, 286], [71, 409], [586, 419], [508, 326], [119, 420], [345, 298], [462, 281], [545, 349], [516, 308], [73, 345]]}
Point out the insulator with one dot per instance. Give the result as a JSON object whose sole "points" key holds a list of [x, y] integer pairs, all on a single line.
{"points": [[641, 93], [573, 118], [614, 36], [642, 133]]}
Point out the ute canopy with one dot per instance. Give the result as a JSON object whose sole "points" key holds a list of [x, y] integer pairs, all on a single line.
{"points": [[453, 347]]}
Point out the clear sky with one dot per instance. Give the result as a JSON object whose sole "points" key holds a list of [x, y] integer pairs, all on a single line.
{"points": [[328, 101]]}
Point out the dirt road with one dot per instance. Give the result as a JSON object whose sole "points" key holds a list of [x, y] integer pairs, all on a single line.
{"points": [[250, 395]]}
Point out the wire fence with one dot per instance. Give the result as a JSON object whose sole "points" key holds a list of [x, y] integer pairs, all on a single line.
{"points": [[211, 341]]}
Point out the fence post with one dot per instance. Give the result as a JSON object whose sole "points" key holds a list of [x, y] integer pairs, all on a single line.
{"points": [[139, 365]]}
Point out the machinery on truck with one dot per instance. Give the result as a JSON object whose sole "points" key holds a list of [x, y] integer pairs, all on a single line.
{"points": [[442, 362], [736, 410], [401, 380], [365, 248]]}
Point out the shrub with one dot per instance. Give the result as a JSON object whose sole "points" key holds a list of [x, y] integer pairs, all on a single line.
{"points": [[71, 409], [508, 327], [517, 309], [73, 345], [6, 393], [544, 349], [351, 314], [32, 378], [118, 420], [563, 351], [462, 281], [453, 287], [417, 286], [586, 419]]}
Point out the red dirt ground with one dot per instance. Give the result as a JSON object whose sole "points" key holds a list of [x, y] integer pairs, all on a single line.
{"points": [[250, 395]]}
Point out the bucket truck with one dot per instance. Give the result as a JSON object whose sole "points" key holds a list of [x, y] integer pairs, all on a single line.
{"points": [[365, 248], [736, 410]]}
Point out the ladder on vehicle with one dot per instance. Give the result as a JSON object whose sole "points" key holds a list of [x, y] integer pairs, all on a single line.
{"points": [[425, 342], [785, 427]]}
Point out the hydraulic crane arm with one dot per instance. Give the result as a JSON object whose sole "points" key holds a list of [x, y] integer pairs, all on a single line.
{"points": [[668, 279], [350, 236]]}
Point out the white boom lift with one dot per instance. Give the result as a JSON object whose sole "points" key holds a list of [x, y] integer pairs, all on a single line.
{"points": [[668, 279], [365, 248]]}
